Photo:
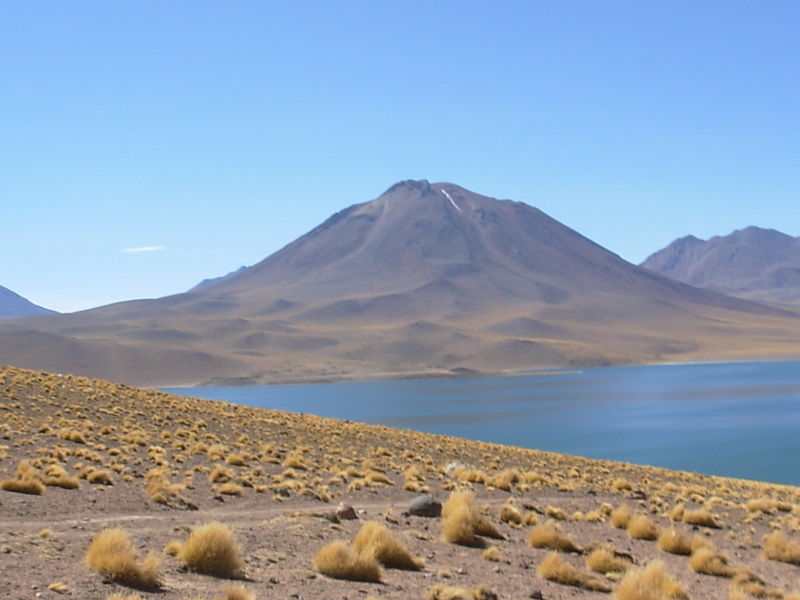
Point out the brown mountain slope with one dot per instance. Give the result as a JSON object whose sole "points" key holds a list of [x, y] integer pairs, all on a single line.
{"points": [[759, 264], [428, 278]]}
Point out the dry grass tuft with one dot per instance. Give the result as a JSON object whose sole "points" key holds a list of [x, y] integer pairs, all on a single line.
{"points": [[376, 540], [650, 583], [238, 592], [642, 527], [675, 542], [212, 549], [604, 560], [441, 592], [112, 554], [548, 536], [556, 569], [707, 561], [621, 516], [777, 547], [509, 514], [463, 523], [504, 480], [338, 561], [492, 553], [23, 486], [702, 518]]}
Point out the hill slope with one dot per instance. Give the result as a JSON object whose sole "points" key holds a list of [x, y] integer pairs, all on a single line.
{"points": [[13, 305], [93, 454], [755, 263], [427, 278]]}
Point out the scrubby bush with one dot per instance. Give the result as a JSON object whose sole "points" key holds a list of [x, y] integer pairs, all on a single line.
{"points": [[376, 540], [556, 569], [441, 592], [212, 549], [112, 554], [621, 516], [337, 560], [650, 583], [701, 517], [675, 542], [778, 547], [463, 523], [548, 536], [642, 527], [23, 486], [707, 561], [603, 560]]}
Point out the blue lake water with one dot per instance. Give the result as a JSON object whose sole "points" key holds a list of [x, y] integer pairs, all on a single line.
{"points": [[731, 419]]}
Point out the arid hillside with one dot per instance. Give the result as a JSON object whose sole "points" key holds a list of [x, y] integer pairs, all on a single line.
{"points": [[108, 491], [426, 279]]}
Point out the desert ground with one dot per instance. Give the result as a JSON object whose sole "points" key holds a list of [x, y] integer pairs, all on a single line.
{"points": [[107, 491]]}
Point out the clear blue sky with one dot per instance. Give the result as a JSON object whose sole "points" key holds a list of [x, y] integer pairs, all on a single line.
{"points": [[211, 134]]}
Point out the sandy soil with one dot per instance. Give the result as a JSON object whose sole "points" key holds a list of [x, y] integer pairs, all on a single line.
{"points": [[291, 471]]}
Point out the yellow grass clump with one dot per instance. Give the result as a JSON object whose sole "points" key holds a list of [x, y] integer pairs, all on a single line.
{"points": [[441, 592], [112, 554], [492, 553], [509, 514], [231, 489], [556, 569], [778, 547], [621, 516], [675, 542], [238, 592], [548, 536], [375, 539], [701, 517], [642, 527], [212, 549], [707, 561], [504, 479], [604, 560], [23, 486], [337, 560], [650, 583], [462, 523]]}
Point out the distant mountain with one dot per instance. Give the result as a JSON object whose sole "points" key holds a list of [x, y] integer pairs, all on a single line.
{"points": [[755, 263], [427, 279], [208, 282], [13, 305]]}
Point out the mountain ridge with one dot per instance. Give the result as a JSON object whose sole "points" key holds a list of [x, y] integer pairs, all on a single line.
{"points": [[754, 263], [12, 305], [425, 279]]}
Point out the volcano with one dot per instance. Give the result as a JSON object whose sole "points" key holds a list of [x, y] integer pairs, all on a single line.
{"points": [[427, 279]]}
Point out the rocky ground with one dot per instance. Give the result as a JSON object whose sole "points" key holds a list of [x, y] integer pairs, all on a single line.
{"points": [[159, 466]]}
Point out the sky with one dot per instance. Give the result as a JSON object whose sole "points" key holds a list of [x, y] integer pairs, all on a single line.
{"points": [[146, 146]]}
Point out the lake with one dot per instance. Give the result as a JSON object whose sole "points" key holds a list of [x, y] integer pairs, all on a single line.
{"points": [[731, 419]]}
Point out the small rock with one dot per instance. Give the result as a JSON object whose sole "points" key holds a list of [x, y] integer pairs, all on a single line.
{"points": [[345, 512], [537, 595], [452, 467], [425, 506]]}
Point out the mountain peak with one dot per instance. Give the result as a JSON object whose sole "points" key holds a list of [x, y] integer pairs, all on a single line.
{"points": [[420, 186], [753, 262]]}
